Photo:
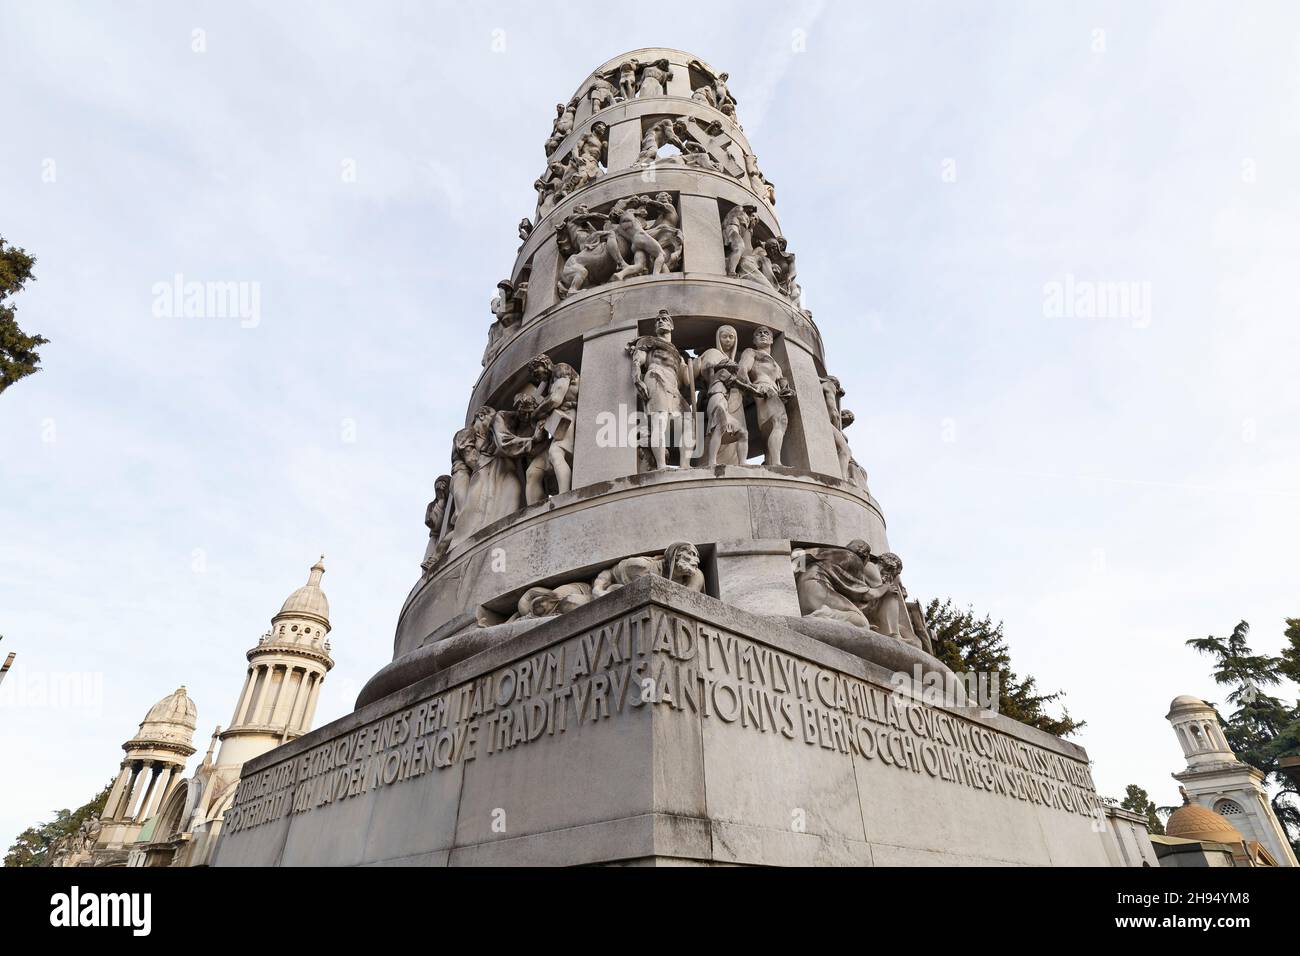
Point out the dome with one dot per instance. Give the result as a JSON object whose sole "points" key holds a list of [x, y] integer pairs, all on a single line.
{"points": [[1192, 821], [170, 724], [175, 708], [1187, 700], [309, 599]]}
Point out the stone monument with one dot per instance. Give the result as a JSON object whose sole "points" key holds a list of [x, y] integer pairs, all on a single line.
{"points": [[658, 619]]}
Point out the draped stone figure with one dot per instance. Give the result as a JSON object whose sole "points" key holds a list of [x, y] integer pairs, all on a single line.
{"points": [[760, 370], [680, 563], [546, 602], [726, 437], [602, 93], [839, 584], [627, 78], [662, 376], [783, 269], [496, 485], [554, 386], [758, 181], [654, 79]]}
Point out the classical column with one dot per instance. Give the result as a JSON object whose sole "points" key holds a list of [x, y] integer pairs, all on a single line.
{"points": [[311, 702], [270, 693], [115, 795], [243, 697], [299, 707], [143, 781], [159, 791], [255, 691], [284, 701]]}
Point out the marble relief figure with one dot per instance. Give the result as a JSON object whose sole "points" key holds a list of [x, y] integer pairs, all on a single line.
{"points": [[653, 79]]}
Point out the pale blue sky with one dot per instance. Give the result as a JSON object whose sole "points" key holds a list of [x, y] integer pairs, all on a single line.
{"points": [[1107, 487]]}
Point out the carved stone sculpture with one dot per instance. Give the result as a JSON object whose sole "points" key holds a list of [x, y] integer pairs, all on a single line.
{"points": [[554, 386], [562, 126], [654, 79], [784, 269], [680, 563], [717, 370], [757, 181], [662, 377], [857, 587], [547, 602], [525, 230], [496, 486], [744, 259], [627, 243], [583, 165], [857, 474], [663, 133], [627, 78], [508, 308], [771, 391], [602, 93], [832, 392]]}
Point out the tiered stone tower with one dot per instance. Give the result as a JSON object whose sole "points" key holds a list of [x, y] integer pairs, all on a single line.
{"points": [[285, 673], [657, 618]]}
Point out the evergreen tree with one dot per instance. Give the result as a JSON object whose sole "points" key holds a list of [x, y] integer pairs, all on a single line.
{"points": [[1262, 729], [1137, 800], [18, 356], [34, 846], [976, 645]]}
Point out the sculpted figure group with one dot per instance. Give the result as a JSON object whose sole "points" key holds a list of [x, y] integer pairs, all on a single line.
{"points": [[680, 563], [640, 235], [666, 379], [852, 585], [769, 264], [580, 168], [842, 418], [504, 460]]}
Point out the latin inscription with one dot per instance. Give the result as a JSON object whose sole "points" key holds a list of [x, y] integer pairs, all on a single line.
{"points": [[655, 659]]}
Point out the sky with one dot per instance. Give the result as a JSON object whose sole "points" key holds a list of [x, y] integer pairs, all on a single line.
{"points": [[957, 179]]}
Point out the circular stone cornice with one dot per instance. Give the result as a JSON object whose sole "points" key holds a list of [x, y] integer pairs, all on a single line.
{"points": [[645, 55], [595, 495], [149, 743], [288, 649]]}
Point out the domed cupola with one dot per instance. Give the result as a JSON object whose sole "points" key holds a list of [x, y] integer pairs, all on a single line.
{"points": [[171, 720], [309, 600]]}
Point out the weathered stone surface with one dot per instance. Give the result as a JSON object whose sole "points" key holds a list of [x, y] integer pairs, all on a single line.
{"points": [[660, 724]]}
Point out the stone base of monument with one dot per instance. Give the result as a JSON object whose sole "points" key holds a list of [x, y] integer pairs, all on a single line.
{"points": [[661, 726]]}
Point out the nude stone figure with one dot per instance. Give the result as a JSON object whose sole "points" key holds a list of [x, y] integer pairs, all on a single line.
{"points": [[760, 370], [662, 377]]}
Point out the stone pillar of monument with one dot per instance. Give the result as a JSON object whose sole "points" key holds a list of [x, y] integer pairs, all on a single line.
{"points": [[657, 619]]}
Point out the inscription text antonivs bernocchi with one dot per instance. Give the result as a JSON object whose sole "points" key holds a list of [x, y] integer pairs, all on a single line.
{"points": [[653, 658]]}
